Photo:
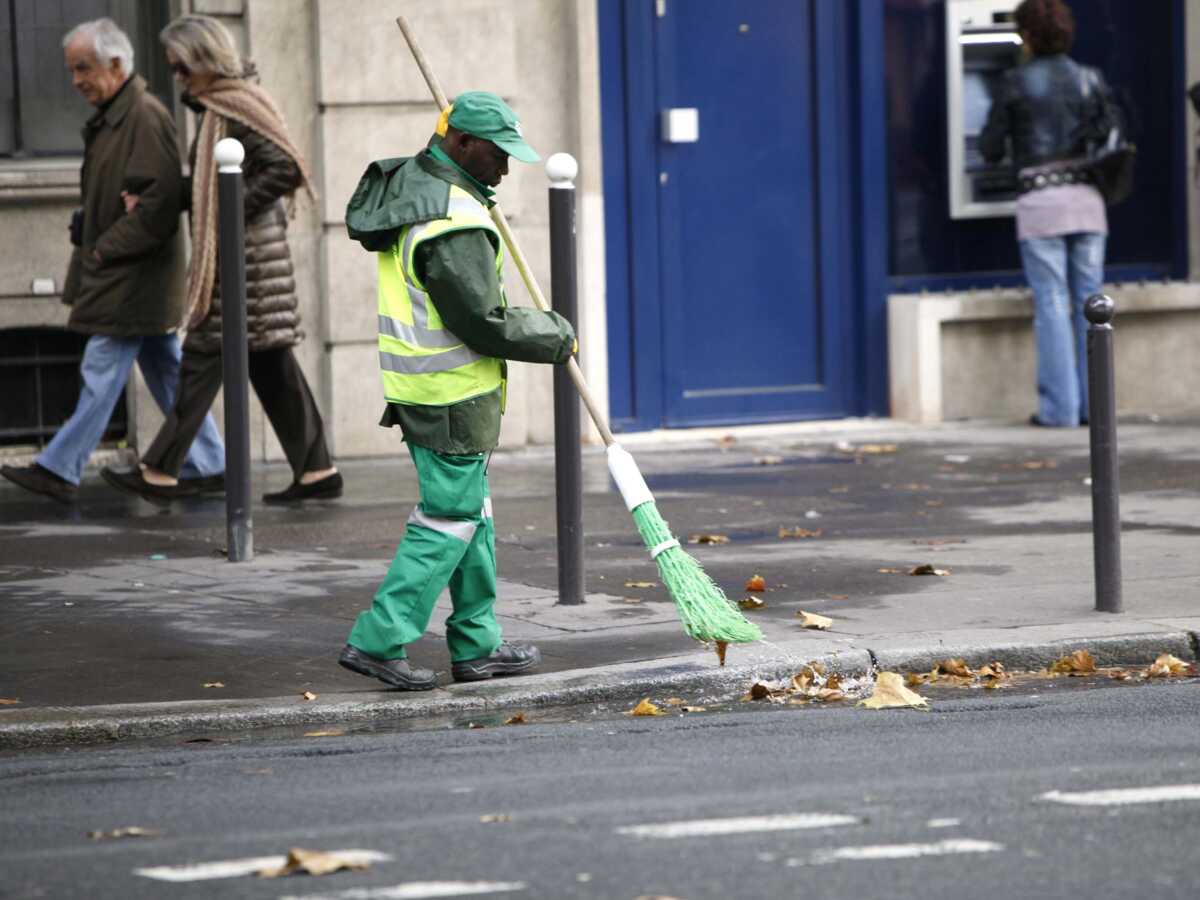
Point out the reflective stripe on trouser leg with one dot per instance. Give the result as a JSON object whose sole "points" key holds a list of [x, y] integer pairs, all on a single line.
{"points": [[440, 532], [472, 631]]}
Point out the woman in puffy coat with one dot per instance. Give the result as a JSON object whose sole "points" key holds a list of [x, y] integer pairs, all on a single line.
{"points": [[217, 85]]}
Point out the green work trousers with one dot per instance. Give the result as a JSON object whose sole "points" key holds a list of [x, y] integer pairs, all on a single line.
{"points": [[449, 540]]}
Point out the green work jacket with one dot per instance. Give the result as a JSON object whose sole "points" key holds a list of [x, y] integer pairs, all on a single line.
{"points": [[458, 270]]}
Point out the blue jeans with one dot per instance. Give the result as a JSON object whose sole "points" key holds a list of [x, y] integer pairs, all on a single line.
{"points": [[1063, 272], [105, 369]]}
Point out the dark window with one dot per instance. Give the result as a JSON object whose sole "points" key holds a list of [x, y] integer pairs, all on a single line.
{"points": [[40, 113], [39, 368]]}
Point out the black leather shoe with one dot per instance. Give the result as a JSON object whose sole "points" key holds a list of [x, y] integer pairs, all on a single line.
{"points": [[135, 483], [507, 659], [327, 488], [206, 484], [396, 672], [40, 480]]}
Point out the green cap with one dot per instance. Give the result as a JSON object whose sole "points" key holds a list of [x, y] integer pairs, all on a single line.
{"points": [[484, 115]]}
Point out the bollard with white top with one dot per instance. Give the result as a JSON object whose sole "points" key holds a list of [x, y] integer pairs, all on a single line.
{"points": [[568, 456], [239, 526]]}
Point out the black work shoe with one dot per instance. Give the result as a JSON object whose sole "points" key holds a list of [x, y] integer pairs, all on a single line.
{"points": [[41, 480], [396, 672], [327, 488], [206, 484], [507, 659], [135, 483]]}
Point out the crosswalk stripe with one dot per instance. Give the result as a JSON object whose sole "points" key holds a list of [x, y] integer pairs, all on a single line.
{"points": [[1123, 796], [234, 868], [742, 825], [900, 851], [418, 890]]}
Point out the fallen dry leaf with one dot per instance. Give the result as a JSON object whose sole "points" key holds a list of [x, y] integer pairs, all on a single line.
{"points": [[840, 489], [927, 569], [890, 692], [828, 695], [1167, 665], [214, 684], [799, 532], [955, 667], [888, 571], [839, 596], [1040, 464], [761, 690], [646, 708], [309, 695], [329, 732], [1078, 663], [691, 709], [756, 583], [313, 862], [994, 671], [631, 599], [768, 460], [641, 584], [492, 818], [129, 831], [752, 603], [812, 620], [721, 647], [1121, 675], [518, 719], [8, 701], [935, 503], [912, 679], [708, 539]]}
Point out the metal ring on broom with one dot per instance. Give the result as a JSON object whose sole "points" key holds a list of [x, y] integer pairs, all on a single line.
{"points": [[705, 611]]}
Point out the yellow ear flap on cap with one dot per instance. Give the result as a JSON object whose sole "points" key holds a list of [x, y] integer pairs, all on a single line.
{"points": [[444, 121]]}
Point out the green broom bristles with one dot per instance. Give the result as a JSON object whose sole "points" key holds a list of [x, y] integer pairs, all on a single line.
{"points": [[707, 613]]}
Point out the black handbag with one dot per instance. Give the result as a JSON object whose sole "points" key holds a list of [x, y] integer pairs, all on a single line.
{"points": [[1110, 160]]}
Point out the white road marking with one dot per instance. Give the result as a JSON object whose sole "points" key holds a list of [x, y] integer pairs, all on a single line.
{"points": [[418, 890], [234, 868], [743, 825], [1123, 796], [898, 851], [942, 823]]}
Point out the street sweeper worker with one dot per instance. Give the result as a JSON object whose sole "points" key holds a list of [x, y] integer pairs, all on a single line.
{"points": [[445, 331]]}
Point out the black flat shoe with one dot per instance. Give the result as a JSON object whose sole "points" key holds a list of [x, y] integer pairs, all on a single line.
{"points": [[328, 488], [135, 483], [40, 480], [395, 672], [206, 484], [507, 659]]}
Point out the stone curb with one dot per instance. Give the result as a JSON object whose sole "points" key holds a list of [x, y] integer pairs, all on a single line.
{"points": [[56, 726]]}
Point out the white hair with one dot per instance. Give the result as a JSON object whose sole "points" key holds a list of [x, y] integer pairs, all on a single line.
{"points": [[108, 41]]}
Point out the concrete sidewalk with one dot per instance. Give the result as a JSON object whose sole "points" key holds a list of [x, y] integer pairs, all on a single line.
{"points": [[119, 618]]}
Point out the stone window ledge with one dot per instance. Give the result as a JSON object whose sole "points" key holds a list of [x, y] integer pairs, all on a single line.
{"points": [[39, 181]]}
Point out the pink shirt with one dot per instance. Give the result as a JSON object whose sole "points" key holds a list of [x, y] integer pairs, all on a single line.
{"points": [[1059, 210]]}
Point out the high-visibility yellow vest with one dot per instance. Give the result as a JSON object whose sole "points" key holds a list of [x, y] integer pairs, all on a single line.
{"points": [[420, 359]]}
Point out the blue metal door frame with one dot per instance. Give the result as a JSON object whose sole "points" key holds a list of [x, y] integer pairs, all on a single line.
{"points": [[853, 210]]}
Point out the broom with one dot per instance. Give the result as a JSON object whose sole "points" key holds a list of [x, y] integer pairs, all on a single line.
{"points": [[706, 613]]}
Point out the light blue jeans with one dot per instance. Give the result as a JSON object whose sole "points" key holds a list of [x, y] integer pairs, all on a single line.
{"points": [[106, 364], [1063, 272]]}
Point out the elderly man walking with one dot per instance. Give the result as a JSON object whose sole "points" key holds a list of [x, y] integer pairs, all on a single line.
{"points": [[119, 280]]}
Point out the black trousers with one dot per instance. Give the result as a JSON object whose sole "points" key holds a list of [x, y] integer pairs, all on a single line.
{"points": [[281, 388]]}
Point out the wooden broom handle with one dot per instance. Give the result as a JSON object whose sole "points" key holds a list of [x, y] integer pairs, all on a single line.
{"points": [[510, 240]]}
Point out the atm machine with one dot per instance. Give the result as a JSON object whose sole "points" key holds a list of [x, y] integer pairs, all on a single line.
{"points": [[981, 44]]}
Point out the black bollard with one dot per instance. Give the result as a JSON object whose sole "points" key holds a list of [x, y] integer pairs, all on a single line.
{"points": [[568, 459], [1106, 480], [239, 528]]}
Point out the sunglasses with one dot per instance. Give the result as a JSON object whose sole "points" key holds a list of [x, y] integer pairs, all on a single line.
{"points": [[181, 70]]}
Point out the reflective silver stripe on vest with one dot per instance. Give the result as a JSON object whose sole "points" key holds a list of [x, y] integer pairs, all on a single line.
{"points": [[464, 531], [487, 507], [415, 334], [434, 362]]}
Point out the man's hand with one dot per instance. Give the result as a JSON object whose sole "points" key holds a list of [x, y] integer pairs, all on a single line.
{"points": [[97, 257], [130, 201]]}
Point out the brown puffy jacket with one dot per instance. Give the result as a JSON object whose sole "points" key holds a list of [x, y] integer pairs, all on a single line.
{"points": [[272, 320]]}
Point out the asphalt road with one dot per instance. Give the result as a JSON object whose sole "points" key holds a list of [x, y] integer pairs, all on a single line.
{"points": [[832, 802]]}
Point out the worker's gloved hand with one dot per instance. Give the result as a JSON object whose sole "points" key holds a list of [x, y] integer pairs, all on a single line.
{"points": [[575, 347]]}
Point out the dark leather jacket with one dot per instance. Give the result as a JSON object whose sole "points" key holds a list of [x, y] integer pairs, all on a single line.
{"points": [[1041, 106]]}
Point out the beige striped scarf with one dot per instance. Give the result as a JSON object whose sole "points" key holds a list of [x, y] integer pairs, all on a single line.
{"points": [[247, 103]]}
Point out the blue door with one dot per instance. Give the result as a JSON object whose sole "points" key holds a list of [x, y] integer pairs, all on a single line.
{"points": [[745, 313]]}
